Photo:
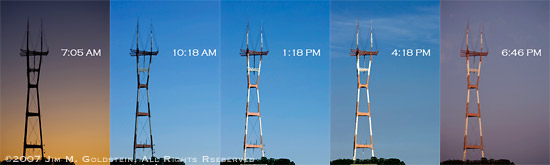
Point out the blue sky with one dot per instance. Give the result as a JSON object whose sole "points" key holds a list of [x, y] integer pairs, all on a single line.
{"points": [[294, 90], [184, 91], [404, 90]]}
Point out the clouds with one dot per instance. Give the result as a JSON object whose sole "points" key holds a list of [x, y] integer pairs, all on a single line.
{"points": [[416, 27]]}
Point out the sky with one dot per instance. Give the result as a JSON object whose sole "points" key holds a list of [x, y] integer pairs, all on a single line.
{"points": [[404, 91], [184, 91], [74, 91], [513, 90], [294, 93]]}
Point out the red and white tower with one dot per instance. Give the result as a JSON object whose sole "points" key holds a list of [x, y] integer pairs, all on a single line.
{"points": [[473, 84], [143, 133], [361, 69], [253, 72]]}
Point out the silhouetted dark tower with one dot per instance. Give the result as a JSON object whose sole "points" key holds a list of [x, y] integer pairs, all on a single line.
{"points": [[34, 64], [363, 69], [143, 139], [250, 84], [473, 85]]}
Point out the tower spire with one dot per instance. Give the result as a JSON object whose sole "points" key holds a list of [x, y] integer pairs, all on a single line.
{"points": [[28, 26], [371, 40], [481, 37], [357, 34], [247, 22], [151, 35], [467, 34], [261, 35], [137, 35], [41, 34]]}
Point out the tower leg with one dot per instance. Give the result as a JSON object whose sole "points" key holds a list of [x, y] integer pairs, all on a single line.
{"points": [[479, 119], [370, 123], [245, 137], [466, 120], [261, 136], [39, 122], [372, 148], [149, 118], [26, 124], [356, 124], [259, 115], [465, 141], [246, 120], [136, 126]]}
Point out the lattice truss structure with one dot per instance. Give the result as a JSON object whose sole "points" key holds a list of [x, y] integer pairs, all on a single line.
{"points": [[363, 69], [143, 133], [473, 110], [254, 57], [34, 52]]}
